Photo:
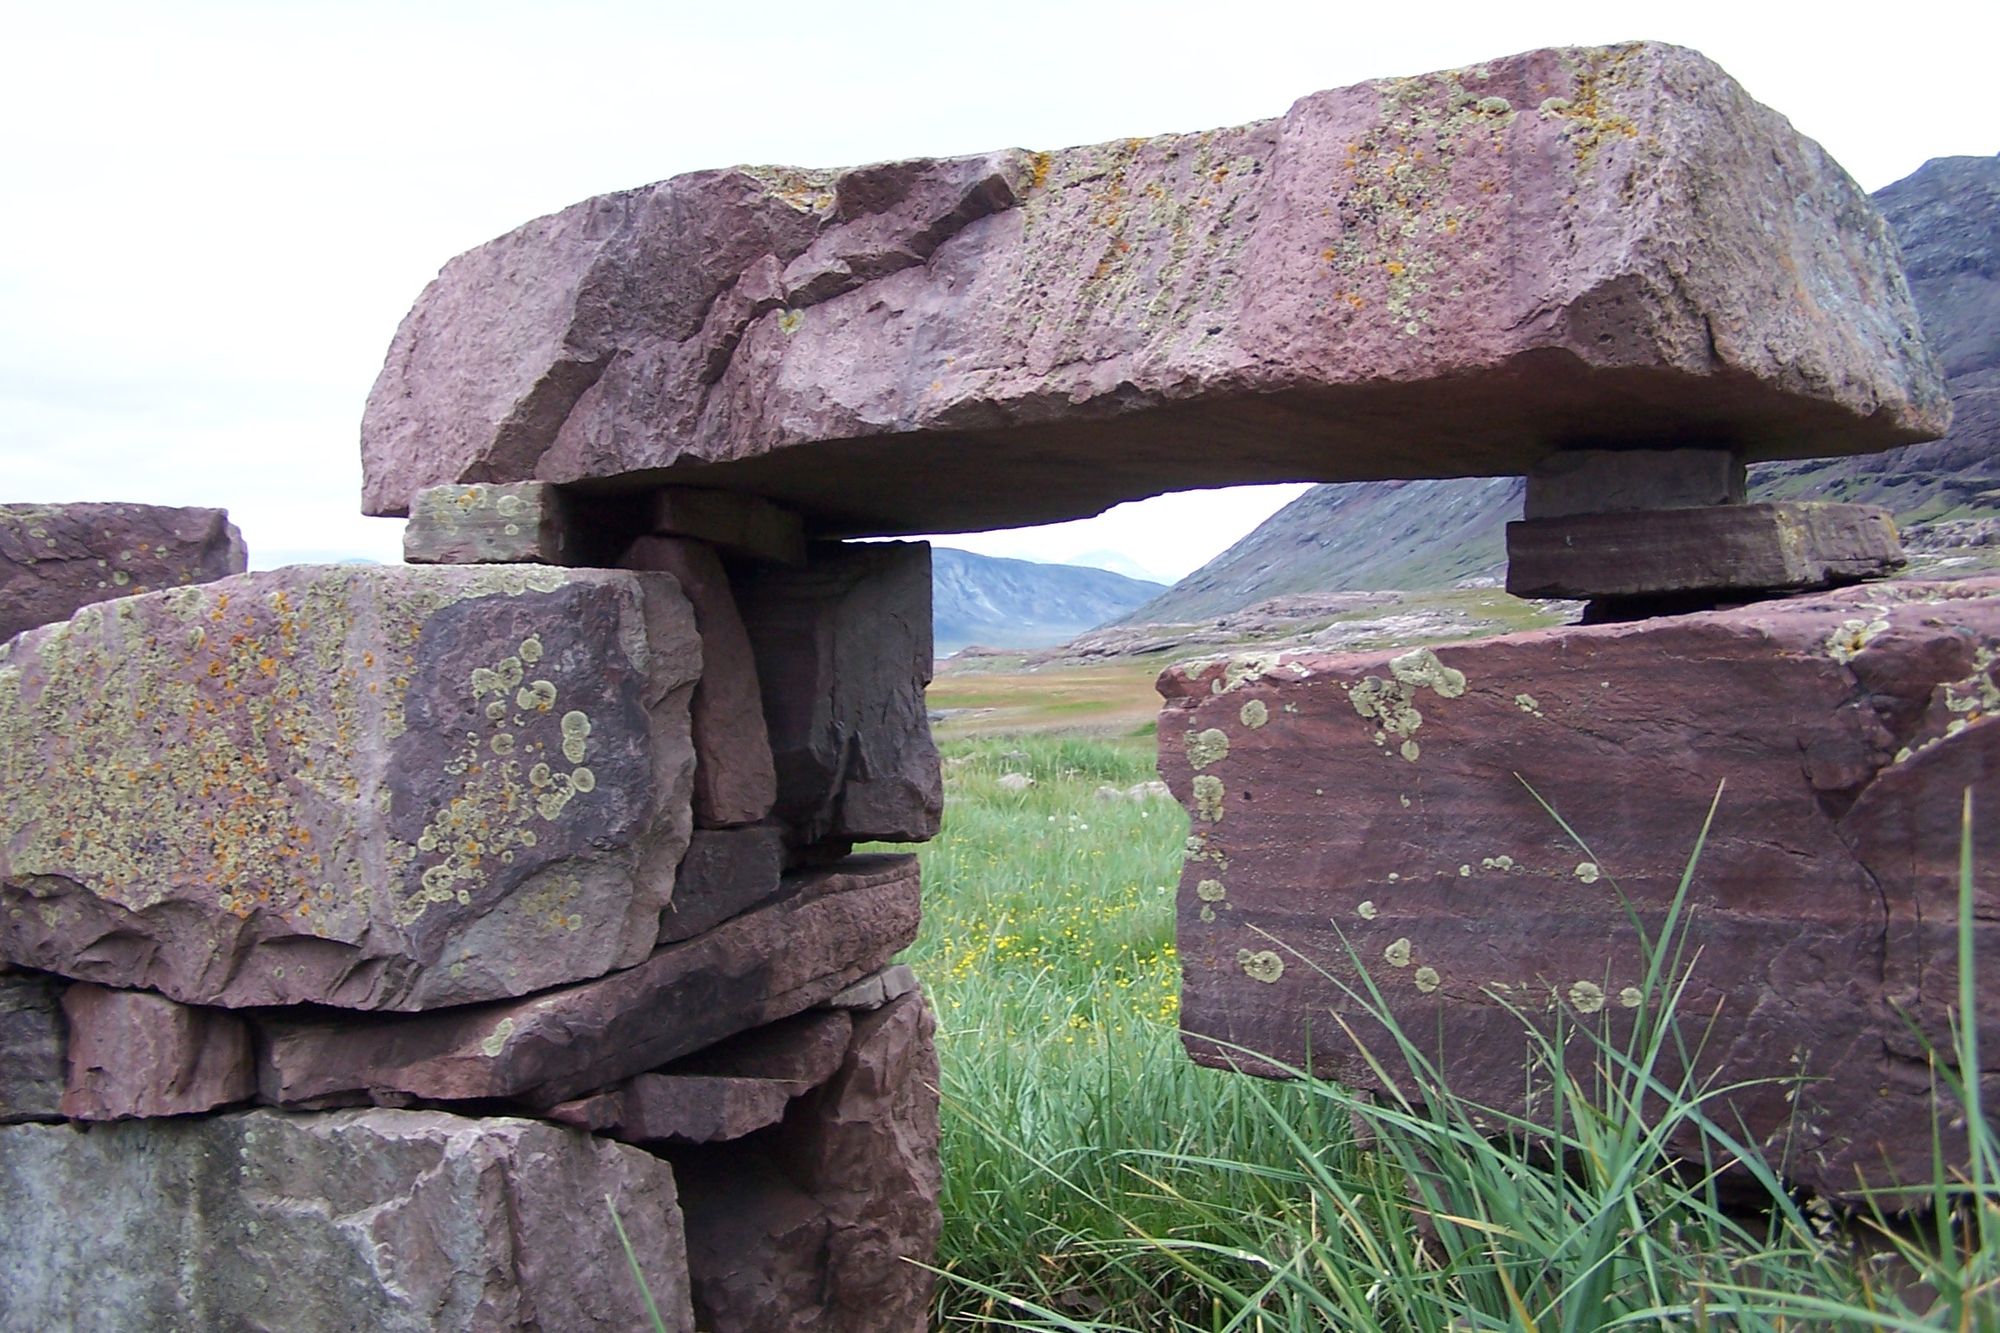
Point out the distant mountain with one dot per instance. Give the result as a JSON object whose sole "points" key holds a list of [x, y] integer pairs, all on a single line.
{"points": [[1000, 603], [1435, 534], [1118, 563]]}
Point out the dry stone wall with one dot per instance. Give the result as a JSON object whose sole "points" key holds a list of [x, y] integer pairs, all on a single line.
{"points": [[480, 881]]}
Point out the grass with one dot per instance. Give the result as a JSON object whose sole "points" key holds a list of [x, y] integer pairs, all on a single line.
{"points": [[1097, 1180]]}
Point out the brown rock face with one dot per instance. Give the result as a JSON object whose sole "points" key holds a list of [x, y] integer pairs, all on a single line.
{"points": [[389, 788], [726, 872], [733, 778], [663, 1108], [833, 928], [1383, 803], [133, 1054], [813, 1225], [398, 1221], [843, 651], [31, 1048], [56, 558], [1448, 275]]}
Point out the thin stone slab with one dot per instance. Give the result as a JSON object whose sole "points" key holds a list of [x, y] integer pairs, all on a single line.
{"points": [[386, 788], [390, 1221], [734, 782], [874, 992], [1787, 546], [833, 928], [725, 873], [664, 1108], [805, 1048], [741, 525], [521, 523], [57, 558], [1447, 275], [1386, 807], [1608, 481], [844, 652], [132, 1054], [31, 1047]]}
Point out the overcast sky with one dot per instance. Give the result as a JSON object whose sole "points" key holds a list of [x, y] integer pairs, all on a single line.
{"points": [[212, 216]]}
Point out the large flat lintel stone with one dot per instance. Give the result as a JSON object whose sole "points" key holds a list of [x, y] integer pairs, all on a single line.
{"points": [[1787, 546], [1387, 807], [380, 788], [833, 928], [386, 1220], [1434, 276]]}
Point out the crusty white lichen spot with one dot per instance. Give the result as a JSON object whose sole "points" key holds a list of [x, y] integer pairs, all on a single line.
{"points": [[1497, 863], [1465, 872], [1208, 798], [1587, 871], [1254, 713], [496, 1040], [1404, 801], [1261, 965], [1367, 911], [1206, 747], [1631, 998], [575, 735], [1420, 667], [1587, 996], [1210, 891], [1243, 669], [1208, 912], [1527, 703], [1398, 953], [531, 649], [1426, 979]]}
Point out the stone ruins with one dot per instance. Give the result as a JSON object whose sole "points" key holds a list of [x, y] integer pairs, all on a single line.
{"points": [[370, 934]]}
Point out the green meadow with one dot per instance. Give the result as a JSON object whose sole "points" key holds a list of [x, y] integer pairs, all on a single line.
{"points": [[1095, 1179]]}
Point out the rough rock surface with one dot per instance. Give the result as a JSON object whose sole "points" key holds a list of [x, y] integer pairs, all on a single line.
{"points": [[31, 1047], [397, 1221], [1753, 549], [56, 558], [1447, 275], [525, 523], [384, 788], [662, 1108], [734, 782], [134, 1054], [805, 1048], [725, 873], [813, 1226], [833, 928], [843, 654], [1373, 801]]}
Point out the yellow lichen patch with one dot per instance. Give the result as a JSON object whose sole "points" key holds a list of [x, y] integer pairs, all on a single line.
{"points": [[1208, 798], [1851, 636], [1206, 747], [1254, 713], [1260, 965]]}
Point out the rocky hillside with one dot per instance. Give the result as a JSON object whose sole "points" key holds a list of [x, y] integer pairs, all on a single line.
{"points": [[1435, 534], [1021, 604]]}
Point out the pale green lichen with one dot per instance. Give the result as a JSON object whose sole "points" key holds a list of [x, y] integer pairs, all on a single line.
{"points": [[1527, 703], [1208, 798], [1367, 911], [1206, 747], [1254, 713], [1851, 636], [1210, 891], [496, 1040], [1260, 965], [1497, 863], [1243, 669], [1391, 703], [1426, 979], [1397, 954], [1587, 996], [791, 321], [1631, 998], [1587, 871]]}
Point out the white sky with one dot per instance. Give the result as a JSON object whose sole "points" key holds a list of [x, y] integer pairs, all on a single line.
{"points": [[213, 215]]}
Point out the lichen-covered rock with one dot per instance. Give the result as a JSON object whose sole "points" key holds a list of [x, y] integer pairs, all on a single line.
{"points": [[391, 1221], [832, 928], [844, 652], [1446, 275], [31, 1047], [824, 1223], [389, 788], [135, 1054], [1388, 803], [522, 523], [56, 558]]}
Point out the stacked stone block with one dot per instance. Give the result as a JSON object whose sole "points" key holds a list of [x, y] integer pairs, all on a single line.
{"points": [[492, 887]]}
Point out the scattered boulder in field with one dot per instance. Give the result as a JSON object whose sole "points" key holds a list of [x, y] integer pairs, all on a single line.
{"points": [[31, 1047], [831, 929], [814, 1224], [133, 1054], [390, 788], [1388, 803], [843, 650], [1445, 275], [398, 1221], [56, 558]]}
